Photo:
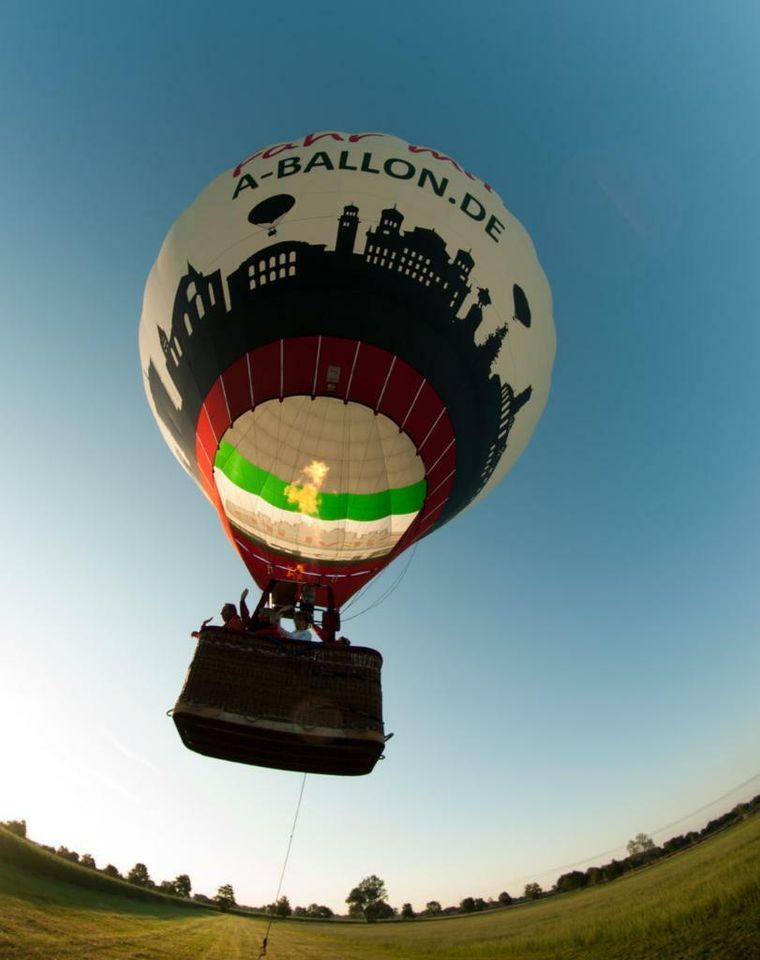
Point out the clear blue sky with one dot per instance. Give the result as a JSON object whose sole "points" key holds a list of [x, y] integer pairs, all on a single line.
{"points": [[572, 661]]}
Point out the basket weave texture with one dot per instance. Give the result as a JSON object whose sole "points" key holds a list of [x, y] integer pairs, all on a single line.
{"points": [[312, 684]]}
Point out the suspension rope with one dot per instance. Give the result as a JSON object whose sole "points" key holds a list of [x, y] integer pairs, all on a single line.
{"points": [[367, 586], [389, 590], [357, 596], [265, 941]]}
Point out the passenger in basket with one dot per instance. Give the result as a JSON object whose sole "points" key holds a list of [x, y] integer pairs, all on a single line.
{"points": [[264, 621], [231, 619], [197, 633], [245, 615], [302, 632], [267, 624], [308, 598]]}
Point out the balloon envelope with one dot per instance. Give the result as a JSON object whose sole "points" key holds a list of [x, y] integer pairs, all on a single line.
{"points": [[343, 389]]}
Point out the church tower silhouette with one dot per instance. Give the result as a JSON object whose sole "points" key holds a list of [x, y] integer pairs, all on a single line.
{"points": [[348, 224]]}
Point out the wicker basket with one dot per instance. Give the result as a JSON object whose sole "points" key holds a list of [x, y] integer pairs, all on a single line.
{"points": [[288, 704]]}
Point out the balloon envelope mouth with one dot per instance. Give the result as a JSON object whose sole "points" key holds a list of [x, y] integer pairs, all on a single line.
{"points": [[320, 479], [346, 373]]}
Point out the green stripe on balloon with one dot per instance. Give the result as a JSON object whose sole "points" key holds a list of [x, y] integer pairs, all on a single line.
{"points": [[331, 506]]}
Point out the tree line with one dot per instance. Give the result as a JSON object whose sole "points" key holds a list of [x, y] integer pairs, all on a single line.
{"points": [[180, 886], [368, 900], [642, 850]]}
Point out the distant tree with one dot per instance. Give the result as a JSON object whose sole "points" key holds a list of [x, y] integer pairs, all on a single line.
{"points": [[282, 908], [16, 826], [167, 886], [675, 843], [182, 885], [467, 905], [367, 899], [88, 861], [68, 854], [202, 898], [225, 897], [533, 891], [613, 869], [407, 912], [300, 912], [111, 871], [432, 907], [641, 843], [595, 875], [504, 898], [139, 876], [574, 880], [319, 911], [381, 911], [479, 904], [723, 821]]}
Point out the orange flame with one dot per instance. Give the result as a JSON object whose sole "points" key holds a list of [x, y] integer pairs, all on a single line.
{"points": [[296, 572]]}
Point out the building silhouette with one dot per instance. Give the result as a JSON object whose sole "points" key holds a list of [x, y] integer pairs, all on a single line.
{"points": [[420, 255], [290, 281], [347, 228], [198, 304]]}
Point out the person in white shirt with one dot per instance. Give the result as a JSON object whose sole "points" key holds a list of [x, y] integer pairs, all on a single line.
{"points": [[302, 632]]}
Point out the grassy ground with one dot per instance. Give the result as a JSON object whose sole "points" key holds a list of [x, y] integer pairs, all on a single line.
{"points": [[703, 904]]}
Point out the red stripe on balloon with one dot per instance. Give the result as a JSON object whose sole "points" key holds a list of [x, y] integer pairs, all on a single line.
{"points": [[215, 406], [265, 372], [237, 388], [338, 367], [300, 356]]}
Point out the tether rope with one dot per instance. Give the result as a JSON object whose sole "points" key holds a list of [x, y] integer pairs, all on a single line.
{"points": [[265, 941]]}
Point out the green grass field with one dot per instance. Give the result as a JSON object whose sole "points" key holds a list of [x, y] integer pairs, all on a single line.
{"points": [[702, 904]]}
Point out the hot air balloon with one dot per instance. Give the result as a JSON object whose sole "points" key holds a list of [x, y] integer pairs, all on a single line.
{"points": [[268, 213], [338, 391]]}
